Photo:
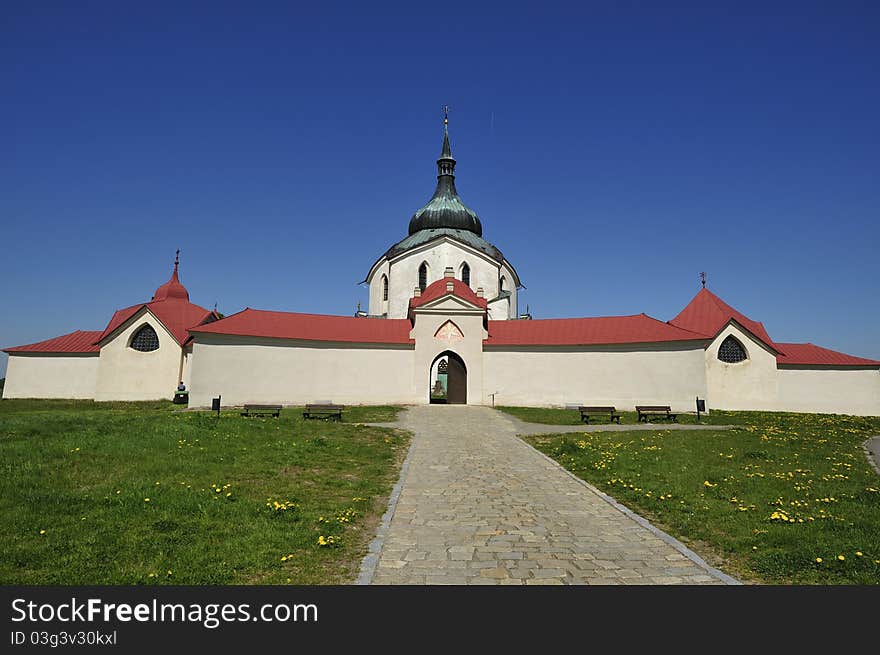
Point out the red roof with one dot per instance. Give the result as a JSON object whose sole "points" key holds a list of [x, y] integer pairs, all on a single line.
{"points": [[811, 354], [310, 327], [176, 315], [438, 289], [707, 314], [171, 305], [79, 341], [640, 328], [172, 289]]}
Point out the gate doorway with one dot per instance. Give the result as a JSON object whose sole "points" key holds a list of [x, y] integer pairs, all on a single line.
{"points": [[448, 379]]}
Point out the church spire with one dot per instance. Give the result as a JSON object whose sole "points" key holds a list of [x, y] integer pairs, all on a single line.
{"points": [[172, 289], [445, 210], [446, 163]]}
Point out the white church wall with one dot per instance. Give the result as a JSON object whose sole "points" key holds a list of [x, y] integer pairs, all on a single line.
{"points": [[49, 375], [506, 276], [750, 384], [128, 374], [829, 390], [404, 273], [622, 376], [279, 371], [429, 346], [378, 306]]}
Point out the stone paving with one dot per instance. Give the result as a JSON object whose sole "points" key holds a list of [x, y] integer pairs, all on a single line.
{"points": [[477, 505]]}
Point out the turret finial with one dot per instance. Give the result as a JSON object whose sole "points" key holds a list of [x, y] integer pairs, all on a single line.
{"points": [[176, 259], [703, 278], [446, 114]]}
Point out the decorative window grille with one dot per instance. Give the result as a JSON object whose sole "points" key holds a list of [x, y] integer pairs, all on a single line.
{"points": [[145, 340], [423, 276], [731, 351], [384, 288], [466, 274]]}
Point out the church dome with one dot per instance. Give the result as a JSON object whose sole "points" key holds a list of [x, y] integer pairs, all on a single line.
{"points": [[445, 209], [172, 289]]}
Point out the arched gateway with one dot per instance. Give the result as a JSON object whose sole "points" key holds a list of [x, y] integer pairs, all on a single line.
{"points": [[448, 379]]}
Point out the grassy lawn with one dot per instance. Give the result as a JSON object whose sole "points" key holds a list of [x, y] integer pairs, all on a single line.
{"points": [[139, 493], [781, 498]]}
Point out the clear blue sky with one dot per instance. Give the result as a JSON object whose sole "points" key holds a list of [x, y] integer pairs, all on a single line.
{"points": [[612, 150]]}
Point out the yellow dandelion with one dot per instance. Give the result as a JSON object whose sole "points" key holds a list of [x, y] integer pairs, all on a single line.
{"points": [[841, 557], [859, 553], [146, 500], [42, 532], [818, 560]]}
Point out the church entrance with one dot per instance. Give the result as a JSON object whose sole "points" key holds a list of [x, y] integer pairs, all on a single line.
{"points": [[448, 379]]}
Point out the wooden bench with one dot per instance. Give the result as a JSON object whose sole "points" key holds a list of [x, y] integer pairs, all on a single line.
{"points": [[262, 410], [324, 411], [610, 412], [660, 411]]}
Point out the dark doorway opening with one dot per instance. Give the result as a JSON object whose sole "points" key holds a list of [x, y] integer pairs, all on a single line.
{"points": [[450, 387]]}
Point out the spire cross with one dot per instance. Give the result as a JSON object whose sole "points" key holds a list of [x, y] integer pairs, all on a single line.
{"points": [[703, 278], [176, 258], [446, 114]]}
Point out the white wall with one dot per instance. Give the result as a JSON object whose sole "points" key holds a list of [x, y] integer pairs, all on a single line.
{"points": [[286, 372], [622, 376], [128, 374], [829, 390], [49, 375], [751, 384], [403, 275]]}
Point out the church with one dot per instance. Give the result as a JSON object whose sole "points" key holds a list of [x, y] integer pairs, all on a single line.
{"points": [[442, 325]]}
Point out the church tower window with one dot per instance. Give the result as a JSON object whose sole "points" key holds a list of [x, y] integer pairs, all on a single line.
{"points": [[732, 351], [466, 274], [384, 287], [145, 340], [423, 276]]}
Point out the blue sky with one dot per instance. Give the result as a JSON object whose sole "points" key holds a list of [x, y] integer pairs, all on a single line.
{"points": [[612, 151]]}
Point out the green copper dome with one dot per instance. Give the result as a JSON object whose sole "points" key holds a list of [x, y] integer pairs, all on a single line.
{"points": [[445, 209]]}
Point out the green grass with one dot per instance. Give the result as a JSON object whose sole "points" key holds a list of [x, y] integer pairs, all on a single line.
{"points": [[82, 471], [555, 416], [763, 500]]}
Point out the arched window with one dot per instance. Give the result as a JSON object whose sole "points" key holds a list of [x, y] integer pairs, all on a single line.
{"points": [[384, 287], [145, 340], [466, 274], [423, 276], [732, 351], [502, 283]]}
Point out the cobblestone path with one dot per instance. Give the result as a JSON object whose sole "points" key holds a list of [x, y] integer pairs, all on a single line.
{"points": [[477, 505]]}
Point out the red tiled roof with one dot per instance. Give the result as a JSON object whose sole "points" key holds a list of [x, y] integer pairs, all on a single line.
{"points": [[171, 305], [438, 289], [310, 327], [175, 314], [640, 328], [80, 341], [811, 354], [707, 314]]}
